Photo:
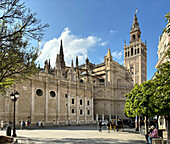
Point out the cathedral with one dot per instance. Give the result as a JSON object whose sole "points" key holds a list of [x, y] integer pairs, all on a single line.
{"points": [[80, 94]]}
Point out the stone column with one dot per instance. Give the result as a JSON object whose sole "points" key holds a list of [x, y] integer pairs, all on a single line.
{"points": [[102, 117], [58, 104], [68, 105], [109, 117], [46, 99], [77, 109], [32, 102], [92, 109], [97, 118], [85, 112]]}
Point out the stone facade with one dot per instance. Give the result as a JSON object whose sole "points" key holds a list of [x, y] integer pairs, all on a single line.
{"points": [[79, 94], [82, 93], [163, 47], [135, 54]]}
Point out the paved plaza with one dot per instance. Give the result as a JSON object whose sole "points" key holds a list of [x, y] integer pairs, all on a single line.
{"points": [[77, 135]]}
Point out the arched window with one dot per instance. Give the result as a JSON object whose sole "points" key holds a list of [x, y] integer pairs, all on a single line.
{"points": [[134, 37], [128, 53], [138, 50], [125, 54], [131, 51], [135, 51]]}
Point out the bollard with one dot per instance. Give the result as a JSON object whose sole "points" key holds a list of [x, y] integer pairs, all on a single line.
{"points": [[8, 131]]}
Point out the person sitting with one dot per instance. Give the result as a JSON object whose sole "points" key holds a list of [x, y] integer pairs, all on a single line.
{"points": [[152, 135]]}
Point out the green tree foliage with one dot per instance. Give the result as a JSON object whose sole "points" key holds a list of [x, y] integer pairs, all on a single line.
{"points": [[167, 29], [139, 100], [162, 91], [18, 25]]}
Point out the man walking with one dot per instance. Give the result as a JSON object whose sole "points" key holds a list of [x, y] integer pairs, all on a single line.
{"points": [[100, 126]]}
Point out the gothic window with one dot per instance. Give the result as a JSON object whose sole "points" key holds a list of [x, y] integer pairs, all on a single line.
{"points": [[135, 51], [65, 95], [72, 111], [39, 92], [52, 94], [101, 81], [128, 53], [131, 51], [88, 112], [138, 50], [81, 112], [139, 36], [81, 102], [125, 54], [72, 101], [81, 81], [88, 102]]}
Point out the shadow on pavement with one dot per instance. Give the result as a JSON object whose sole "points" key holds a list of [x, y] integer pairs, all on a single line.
{"points": [[85, 141]]}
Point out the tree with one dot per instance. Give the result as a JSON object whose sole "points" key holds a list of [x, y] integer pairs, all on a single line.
{"points": [[139, 101], [18, 26], [162, 92]]}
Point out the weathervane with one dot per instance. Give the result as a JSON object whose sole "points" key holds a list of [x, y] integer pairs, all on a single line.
{"points": [[136, 11]]}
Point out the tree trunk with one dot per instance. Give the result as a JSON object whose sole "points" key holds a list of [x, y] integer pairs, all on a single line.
{"points": [[139, 123], [146, 127], [136, 123]]}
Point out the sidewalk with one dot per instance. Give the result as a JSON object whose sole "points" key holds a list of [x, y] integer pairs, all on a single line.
{"points": [[78, 135]]}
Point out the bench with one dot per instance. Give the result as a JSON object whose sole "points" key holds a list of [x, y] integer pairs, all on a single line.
{"points": [[157, 141]]}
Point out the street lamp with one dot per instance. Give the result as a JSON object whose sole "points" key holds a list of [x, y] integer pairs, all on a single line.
{"points": [[14, 97]]}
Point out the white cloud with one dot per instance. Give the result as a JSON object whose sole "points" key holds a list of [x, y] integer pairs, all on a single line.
{"points": [[73, 45], [103, 43], [113, 32], [117, 55]]}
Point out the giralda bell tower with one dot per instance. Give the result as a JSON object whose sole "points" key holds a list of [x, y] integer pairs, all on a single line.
{"points": [[135, 54]]}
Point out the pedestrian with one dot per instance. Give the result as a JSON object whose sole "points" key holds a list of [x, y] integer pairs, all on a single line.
{"points": [[21, 124], [69, 123], [26, 124], [2, 125], [155, 123], [100, 126], [108, 126], [114, 125], [152, 135], [54, 123], [39, 123]]}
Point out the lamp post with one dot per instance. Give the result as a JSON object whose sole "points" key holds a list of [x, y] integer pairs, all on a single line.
{"points": [[14, 97]]}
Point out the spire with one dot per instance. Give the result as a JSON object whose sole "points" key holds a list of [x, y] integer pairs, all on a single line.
{"points": [[49, 65], [135, 32], [77, 62], [109, 53], [87, 61], [72, 64], [61, 49], [61, 56], [135, 21]]}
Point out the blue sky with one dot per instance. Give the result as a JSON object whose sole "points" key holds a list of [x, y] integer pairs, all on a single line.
{"points": [[90, 27]]}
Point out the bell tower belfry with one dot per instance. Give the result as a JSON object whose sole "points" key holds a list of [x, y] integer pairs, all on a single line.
{"points": [[135, 54]]}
